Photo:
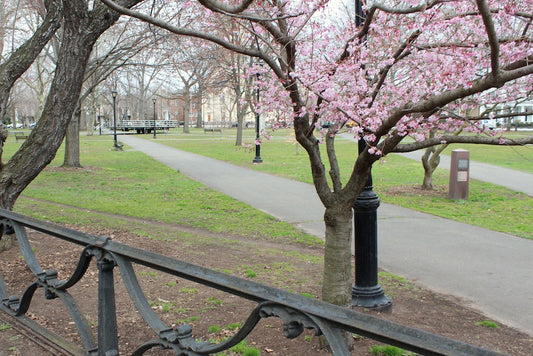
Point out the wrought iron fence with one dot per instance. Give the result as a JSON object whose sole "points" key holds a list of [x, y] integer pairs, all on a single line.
{"points": [[297, 312]]}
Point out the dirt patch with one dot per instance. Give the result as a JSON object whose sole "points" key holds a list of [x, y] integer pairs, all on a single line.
{"points": [[415, 190], [215, 315]]}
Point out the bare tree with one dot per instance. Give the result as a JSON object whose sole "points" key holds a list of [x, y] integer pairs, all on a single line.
{"points": [[82, 26], [125, 45]]}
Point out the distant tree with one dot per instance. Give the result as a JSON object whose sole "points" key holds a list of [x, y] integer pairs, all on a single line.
{"points": [[195, 66], [117, 48], [83, 22]]}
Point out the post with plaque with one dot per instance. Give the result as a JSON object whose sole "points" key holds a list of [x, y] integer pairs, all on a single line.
{"points": [[459, 174]]}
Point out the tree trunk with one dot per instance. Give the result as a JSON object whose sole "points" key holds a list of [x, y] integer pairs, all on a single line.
{"points": [[240, 123], [337, 256], [186, 106], [337, 279], [430, 162], [199, 115], [72, 141], [90, 121]]}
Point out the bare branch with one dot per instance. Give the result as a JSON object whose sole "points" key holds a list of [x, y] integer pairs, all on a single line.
{"points": [[196, 34], [334, 164], [494, 11], [25, 55], [524, 14], [520, 63], [409, 10], [222, 7]]}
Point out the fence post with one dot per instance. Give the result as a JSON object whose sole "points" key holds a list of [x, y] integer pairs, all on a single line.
{"points": [[107, 317]]}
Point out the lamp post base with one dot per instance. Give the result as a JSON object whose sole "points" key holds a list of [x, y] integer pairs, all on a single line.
{"points": [[257, 158], [371, 298]]}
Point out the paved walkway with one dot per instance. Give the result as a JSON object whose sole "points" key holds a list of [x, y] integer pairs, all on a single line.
{"points": [[491, 270]]}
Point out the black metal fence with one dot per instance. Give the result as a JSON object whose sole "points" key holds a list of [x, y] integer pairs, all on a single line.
{"points": [[297, 312]]}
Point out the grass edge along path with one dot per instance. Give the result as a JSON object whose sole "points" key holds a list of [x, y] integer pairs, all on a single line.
{"points": [[397, 181], [132, 184]]}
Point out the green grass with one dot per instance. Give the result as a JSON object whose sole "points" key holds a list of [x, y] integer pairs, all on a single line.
{"points": [[490, 206], [214, 329], [243, 349], [487, 324], [131, 184], [389, 351], [395, 178], [514, 157]]}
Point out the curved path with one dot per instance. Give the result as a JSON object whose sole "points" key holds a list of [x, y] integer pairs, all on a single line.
{"points": [[490, 270]]}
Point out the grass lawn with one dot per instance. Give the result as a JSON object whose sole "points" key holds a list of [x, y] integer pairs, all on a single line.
{"points": [[132, 184], [396, 179]]}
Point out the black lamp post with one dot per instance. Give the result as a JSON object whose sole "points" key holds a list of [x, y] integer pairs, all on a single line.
{"points": [[257, 158], [366, 292], [115, 143], [153, 100], [99, 121]]}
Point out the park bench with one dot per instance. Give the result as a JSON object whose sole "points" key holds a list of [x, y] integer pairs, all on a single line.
{"points": [[20, 136], [212, 129]]}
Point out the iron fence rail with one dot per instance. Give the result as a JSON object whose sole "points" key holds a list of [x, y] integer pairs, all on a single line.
{"points": [[297, 312]]}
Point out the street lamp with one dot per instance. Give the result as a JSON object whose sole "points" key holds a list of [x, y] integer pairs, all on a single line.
{"points": [[99, 120], [257, 158], [115, 144], [153, 100], [366, 292]]}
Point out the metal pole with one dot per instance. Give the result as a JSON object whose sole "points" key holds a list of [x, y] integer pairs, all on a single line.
{"points": [[115, 145], [366, 292], [107, 316], [154, 116], [257, 158], [99, 121]]}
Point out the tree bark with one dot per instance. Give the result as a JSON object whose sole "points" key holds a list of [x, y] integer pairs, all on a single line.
{"points": [[430, 162], [199, 114], [337, 256], [72, 141], [186, 106]]}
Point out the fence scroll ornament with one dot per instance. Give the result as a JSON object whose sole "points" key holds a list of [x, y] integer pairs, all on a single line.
{"points": [[297, 312]]}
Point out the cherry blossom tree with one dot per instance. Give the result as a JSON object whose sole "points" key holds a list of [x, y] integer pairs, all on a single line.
{"points": [[392, 77]]}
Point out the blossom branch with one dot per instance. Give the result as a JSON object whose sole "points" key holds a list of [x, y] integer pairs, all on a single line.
{"points": [[442, 99], [400, 53], [493, 37], [409, 147]]}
